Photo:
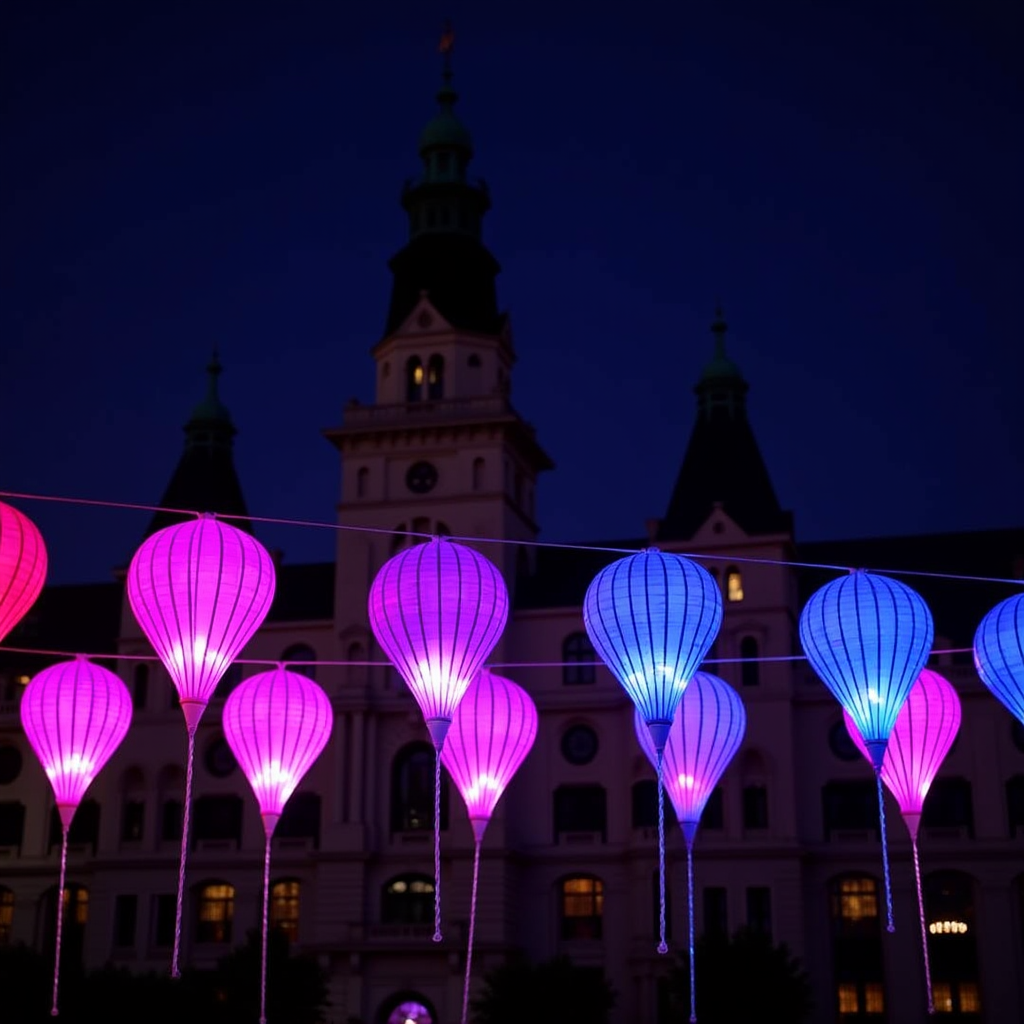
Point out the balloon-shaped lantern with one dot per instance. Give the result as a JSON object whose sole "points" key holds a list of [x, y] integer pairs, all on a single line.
{"points": [[438, 609], [652, 617], [199, 590], [867, 637], [22, 566], [276, 723], [75, 714], [492, 731], [999, 653], [922, 736], [705, 735]]}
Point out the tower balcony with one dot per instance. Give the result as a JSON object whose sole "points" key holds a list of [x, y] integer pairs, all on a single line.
{"points": [[428, 413]]}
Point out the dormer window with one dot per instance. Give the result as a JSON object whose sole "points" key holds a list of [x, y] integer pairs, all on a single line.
{"points": [[413, 379], [733, 584], [435, 377]]}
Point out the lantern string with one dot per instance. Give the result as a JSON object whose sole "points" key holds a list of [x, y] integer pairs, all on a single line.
{"points": [[437, 844], [472, 929], [689, 906], [263, 952], [186, 815], [60, 918], [924, 929], [662, 944], [885, 853], [560, 545]]}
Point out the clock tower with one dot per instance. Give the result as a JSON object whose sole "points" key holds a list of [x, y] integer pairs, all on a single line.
{"points": [[441, 450]]}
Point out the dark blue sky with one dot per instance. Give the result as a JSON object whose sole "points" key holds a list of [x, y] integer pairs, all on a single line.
{"points": [[845, 176]]}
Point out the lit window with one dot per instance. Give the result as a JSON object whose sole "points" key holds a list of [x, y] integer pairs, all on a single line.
{"points": [[216, 912], [582, 908], [970, 1001], [733, 585], [858, 899], [874, 998], [76, 905], [848, 1001], [284, 908], [408, 899], [942, 996]]}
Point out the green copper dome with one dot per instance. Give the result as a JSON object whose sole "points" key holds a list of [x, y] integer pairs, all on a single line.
{"points": [[211, 407], [719, 365], [445, 130]]}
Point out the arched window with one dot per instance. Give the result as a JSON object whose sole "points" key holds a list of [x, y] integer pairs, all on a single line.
{"points": [[857, 948], [300, 658], [300, 818], [218, 820], [413, 379], [412, 790], [355, 672], [12, 824], [435, 377], [849, 809], [133, 806], [478, 474], [407, 899], [581, 809], [579, 656], [755, 791], [750, 670], [170, 791], [949, 809], [733, 584], [215, 912], [6, 915], [140, 686], [952, 941], [645, 804], [581, 908], [713, 815], [284, 907], [362, 482]]}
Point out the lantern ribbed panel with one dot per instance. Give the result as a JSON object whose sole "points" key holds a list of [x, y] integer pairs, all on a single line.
{"points": [[277, 723], [75, 715], [999, 653], [199, 591], [652, 617], [921, 737], [22, 566], [705, 734], [867, 637], [492, 731], [438, 609]]}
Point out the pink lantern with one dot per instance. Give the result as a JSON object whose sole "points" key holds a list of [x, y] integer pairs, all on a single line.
{"points": [[704, 736], [75, 714], [199, 591], [277, 724], [491, 733], [925, 729], [22, 566], [438, 610]]}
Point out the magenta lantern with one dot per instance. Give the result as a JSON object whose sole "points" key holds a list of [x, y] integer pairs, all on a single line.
{"points": [[22, 566], [438, 610], [704, 736], [276, 723], [925, 729], [75, 714], [199, 591], [492, 731]]}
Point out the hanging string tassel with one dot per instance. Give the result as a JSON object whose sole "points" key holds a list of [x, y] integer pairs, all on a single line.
{"points": [[263, 953], [885, 854], [472, 929], [689, 907], [60, 917], [437, 845], [662, 944], [185, 821], [924, 929]]}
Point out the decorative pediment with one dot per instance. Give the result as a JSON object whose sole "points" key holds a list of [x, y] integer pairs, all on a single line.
{"points": [[424, 319]]}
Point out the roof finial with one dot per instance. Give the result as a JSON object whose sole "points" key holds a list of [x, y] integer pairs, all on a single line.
{"points": [[445, 48], [718, 329]]}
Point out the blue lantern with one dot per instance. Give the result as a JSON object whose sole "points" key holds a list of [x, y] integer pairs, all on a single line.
{"points": [[652, 618], [868, 637], [999, 653]]}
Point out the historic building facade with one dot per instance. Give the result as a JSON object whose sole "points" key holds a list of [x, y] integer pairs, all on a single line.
{"points": [[788, 844]]}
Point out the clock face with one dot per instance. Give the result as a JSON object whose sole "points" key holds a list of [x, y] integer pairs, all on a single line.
{"points": [[421, 477]]}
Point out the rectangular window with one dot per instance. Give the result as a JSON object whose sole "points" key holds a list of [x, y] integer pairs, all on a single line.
{"points": [[126, 912], [759, 909], [713, 816], [755, 807], [716, 911], [132, 821], [164, 908]]}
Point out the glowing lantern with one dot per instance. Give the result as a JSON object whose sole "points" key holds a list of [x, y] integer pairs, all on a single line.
{"points": [[22, 566], [75, 714], [199, 590], [277, 724], [492, 731], [924, 731], [705, 735], [438, 610], [652, 617], [999, 653], [868, 637]]}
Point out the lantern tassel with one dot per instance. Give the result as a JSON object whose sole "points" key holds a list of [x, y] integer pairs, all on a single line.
{"points": [[924, 929], [662, 944], [60, 917], [689, 907], [185, 820], [890, 927], [263, 952], [472, 929], [437, 843]]}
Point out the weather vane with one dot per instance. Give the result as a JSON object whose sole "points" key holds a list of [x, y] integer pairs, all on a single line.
{"points": [[446, 45]]}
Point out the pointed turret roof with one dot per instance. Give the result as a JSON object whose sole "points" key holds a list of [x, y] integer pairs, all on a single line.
{"points": [[723, 464], [205, 479]]}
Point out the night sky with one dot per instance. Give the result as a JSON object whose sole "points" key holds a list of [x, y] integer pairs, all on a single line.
{"points": [[846, 177]]}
